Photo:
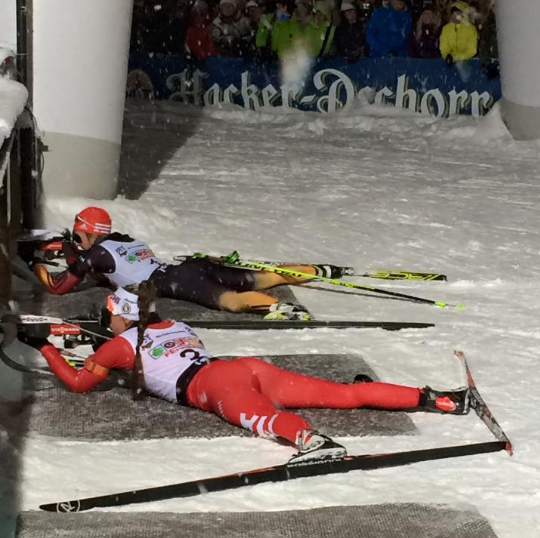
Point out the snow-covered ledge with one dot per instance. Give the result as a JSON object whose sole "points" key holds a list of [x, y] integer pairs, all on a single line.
{"points": [[13, 97]]}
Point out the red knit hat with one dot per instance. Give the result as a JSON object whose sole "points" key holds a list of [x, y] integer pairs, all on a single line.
{"points": [[93, 220]]}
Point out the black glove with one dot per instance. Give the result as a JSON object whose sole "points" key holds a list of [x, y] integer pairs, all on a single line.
{"points": [[449, 60], [34, 335], [71, 252], [36, 343], [66, 234]]}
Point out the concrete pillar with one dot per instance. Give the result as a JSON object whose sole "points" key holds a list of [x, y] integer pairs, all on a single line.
{"points": [[519, 43], [8, 25], [79, 68]]}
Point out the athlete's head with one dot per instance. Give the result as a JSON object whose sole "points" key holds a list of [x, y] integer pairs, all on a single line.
{"points": [[91, 223], [127, 309], [123, 310]]}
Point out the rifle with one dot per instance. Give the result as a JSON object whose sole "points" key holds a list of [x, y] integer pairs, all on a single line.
{"points": [[82, 330], [38, 247]]}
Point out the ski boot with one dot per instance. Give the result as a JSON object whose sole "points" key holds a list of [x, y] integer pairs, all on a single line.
{"points": [[455, 402], [362, 378], [287, 311], [313, 445], [332, 271]]}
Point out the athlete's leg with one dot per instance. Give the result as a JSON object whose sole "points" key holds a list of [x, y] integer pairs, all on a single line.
{"points": [[232, 391], [290, 389], [248, 301], [239, 279], [208, 284], [266, 279]]}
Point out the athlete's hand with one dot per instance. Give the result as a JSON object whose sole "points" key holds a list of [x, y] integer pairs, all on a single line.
{"points": [[34, 335], [67, 235]]}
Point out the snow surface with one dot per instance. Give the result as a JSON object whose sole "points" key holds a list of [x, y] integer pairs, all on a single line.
{"points": [[368, 187], [13, 97]]}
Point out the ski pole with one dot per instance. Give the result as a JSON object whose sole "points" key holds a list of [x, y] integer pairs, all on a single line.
{"points": [[333, 281], [382, 274]]}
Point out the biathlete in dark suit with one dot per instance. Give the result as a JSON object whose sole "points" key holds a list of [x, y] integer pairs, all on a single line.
{"points": [[119, 260]]}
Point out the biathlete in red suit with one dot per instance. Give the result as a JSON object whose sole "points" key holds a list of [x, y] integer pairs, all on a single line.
{"points": [[119, 260], [170, 361]]}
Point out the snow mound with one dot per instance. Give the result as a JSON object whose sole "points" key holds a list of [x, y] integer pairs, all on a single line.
{"points": [[13, 97]]}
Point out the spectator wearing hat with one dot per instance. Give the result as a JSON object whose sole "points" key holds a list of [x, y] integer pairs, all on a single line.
{"points": [[199, 42], [388, 30], [231, 31], [276, 31], [254, 13], [350, 36], [319, 32], [459, 38], [302, 12], [424, 42]]}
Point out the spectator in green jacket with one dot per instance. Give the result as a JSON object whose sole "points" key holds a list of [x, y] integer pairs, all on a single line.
{"points": [[276, 31], [319, 32]]}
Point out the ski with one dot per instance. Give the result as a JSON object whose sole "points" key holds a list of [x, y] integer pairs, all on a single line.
{"points": [[398, 274], [384, 274], [76, 326], [480, 407], [280, 270], [278, 473], [263, 325]]}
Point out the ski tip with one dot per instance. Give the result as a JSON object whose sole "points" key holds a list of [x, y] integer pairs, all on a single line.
{"points": [[61, 507], [509, 448], [442, 304]]}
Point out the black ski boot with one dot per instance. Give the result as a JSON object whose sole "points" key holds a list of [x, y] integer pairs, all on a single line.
{"points": [[332, 271], [455, 402], [287, 311], [313, 445], [363, 378]]}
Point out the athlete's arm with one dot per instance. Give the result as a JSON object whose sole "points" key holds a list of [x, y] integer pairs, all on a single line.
{"points": [[57, 284], [96, 260], [116, 353]]}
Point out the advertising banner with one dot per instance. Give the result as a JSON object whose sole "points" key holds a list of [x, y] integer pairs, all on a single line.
{"points": [[327, 85]]}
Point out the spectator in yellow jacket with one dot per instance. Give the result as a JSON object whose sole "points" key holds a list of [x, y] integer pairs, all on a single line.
{"points": [[459, 38]]}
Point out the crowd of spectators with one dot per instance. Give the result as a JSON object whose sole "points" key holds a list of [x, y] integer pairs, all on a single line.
{"points": [[353, 29]]}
